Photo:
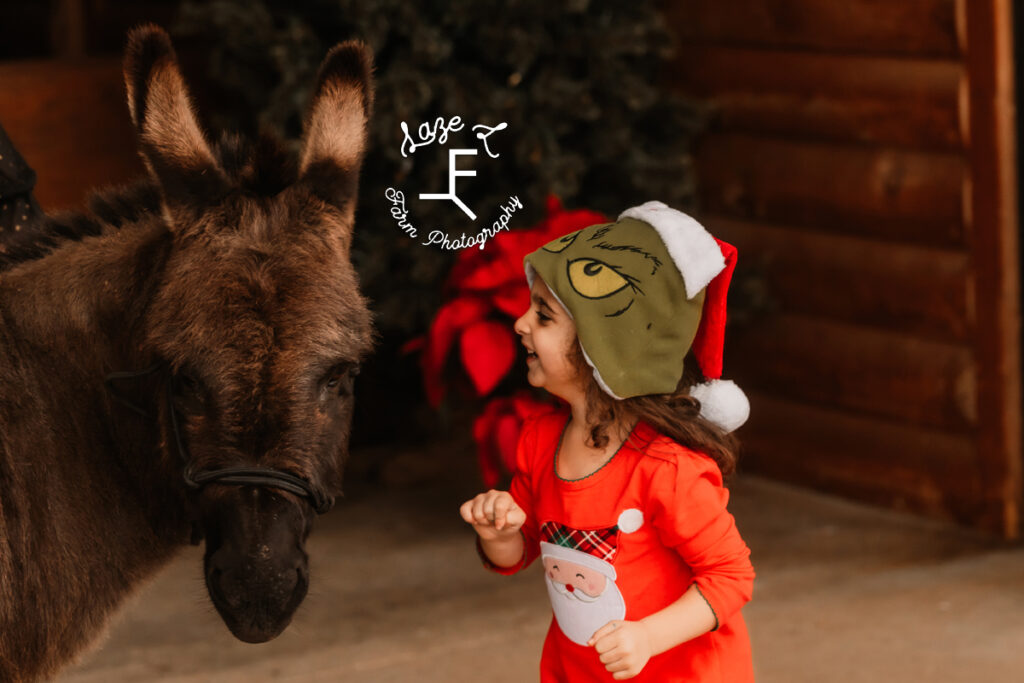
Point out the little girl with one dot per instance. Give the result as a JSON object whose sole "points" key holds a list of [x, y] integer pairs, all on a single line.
{"points": [[621, 496]]}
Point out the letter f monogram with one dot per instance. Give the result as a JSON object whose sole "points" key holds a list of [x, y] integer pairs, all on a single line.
{"points": [[452, 173]]}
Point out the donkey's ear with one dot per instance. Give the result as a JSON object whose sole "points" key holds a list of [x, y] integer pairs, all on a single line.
{"points": [[170, 139], [337, 124]]}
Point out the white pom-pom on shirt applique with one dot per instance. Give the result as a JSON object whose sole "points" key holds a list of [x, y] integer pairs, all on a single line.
{"points": [[630, 520]]}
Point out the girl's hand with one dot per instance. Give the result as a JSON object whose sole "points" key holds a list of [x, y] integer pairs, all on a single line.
{"points": [[624, 647], [494, 515]]}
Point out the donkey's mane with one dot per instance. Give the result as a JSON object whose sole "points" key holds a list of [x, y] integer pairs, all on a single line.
{"points": [[257, 169]]}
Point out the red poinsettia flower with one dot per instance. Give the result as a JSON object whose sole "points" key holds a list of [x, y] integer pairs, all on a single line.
{"points": [[496, 433], [486, 292]]}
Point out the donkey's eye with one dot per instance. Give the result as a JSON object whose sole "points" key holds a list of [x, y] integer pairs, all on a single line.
{"points": [[342, 378], [188, 392], [187, 383]]}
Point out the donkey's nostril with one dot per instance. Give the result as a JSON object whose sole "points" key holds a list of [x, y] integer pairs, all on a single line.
{"points": [[215, 579], [303, 580], [213, 582], [219, 585], [299, 588]]}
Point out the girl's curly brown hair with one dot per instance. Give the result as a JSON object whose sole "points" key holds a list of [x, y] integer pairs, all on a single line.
{"points": [[675, 415]]}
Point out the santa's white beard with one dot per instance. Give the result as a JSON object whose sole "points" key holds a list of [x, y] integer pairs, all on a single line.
{"points": [[580, 615]]}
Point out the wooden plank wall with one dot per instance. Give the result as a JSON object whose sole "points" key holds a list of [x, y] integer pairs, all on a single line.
{"points": [[69, 119], [848, 146]]}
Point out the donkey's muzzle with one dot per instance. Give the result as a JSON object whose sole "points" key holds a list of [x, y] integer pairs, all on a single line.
{"points": [[256, 596], [256, 567]]}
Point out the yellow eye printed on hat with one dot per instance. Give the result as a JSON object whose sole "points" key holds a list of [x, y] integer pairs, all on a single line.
{"points": [[561, 243], [594, 279]]}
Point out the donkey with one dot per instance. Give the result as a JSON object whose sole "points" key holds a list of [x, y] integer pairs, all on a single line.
{"points": [[178, 364]]}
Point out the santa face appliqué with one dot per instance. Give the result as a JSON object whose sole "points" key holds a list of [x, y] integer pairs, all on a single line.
{"points": [[580, 576], [575, 579], [583, 596]]}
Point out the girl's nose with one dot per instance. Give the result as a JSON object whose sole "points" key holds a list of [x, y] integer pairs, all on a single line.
{"points": [[520, 324]]}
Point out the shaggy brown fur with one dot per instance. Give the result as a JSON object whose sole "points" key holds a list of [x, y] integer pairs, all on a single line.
{"points": [[230, 266]]}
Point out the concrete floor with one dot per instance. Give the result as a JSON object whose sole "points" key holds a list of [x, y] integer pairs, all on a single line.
{"points": [[845, 593]]}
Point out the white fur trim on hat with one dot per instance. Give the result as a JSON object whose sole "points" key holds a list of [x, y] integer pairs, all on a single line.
{"points": [[695, 252], [577, 557], [722, 402], [631, 520]]}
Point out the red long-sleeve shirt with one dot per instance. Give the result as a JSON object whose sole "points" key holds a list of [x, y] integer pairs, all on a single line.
{"points": [[685, 536]]}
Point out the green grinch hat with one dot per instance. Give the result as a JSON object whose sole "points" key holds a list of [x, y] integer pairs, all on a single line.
{"points": [[642, 291]]}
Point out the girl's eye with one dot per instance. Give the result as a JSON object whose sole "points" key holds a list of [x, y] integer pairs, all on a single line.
{"points": [[543, 318]]}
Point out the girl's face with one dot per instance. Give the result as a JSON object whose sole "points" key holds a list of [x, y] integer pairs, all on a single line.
{"points": [[548, 334]]}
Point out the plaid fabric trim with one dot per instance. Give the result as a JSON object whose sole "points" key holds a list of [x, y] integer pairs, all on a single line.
{"points": [[601, 543]]}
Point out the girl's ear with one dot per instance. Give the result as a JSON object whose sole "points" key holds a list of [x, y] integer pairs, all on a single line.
{"points": [[337, 124], [170, 139]]}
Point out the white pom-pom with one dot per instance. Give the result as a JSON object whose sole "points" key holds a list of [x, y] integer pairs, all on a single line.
{"points": [[630, 520], [722, 402]]}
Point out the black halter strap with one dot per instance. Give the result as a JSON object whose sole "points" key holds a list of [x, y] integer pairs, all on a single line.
{"points": [[241, 475]]}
